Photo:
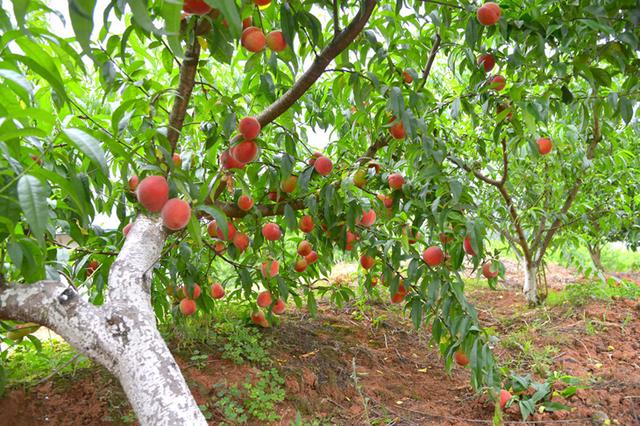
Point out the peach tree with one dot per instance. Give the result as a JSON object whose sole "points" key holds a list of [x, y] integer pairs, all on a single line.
{"points": [[241, 146]]}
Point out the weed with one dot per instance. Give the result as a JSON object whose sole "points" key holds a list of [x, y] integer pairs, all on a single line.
{"points": [[230, 405], [244, 344], [263, 396], [580, 294], [199, 360]]}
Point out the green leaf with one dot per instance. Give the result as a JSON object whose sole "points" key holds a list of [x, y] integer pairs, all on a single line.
{"points": [[32, 195], [18, 79], [229, 10], [89, 145], [20, 8], [81, 14], [218, 216], [141, 15], [171, 12], [290, 217]]}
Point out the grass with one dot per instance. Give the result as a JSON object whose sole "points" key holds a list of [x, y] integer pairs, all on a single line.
{"points": [[580, 294], [26, 365]]}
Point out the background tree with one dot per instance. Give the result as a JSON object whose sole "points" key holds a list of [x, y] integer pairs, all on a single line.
{"points": [[395, 86]]}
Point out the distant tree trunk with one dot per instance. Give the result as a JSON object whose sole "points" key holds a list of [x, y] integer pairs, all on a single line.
{"points": [[530, 285], [595, 251]]}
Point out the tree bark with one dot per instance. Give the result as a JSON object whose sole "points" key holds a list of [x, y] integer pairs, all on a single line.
{"points": [[530, 285], [595, 251]]}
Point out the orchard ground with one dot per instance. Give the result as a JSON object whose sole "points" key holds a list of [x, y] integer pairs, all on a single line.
{"points": [[364, 363]]}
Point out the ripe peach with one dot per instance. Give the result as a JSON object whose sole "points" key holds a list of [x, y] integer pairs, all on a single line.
{"points": [[544, 145], [196, 7], [400, 294], [289, 184], [245, 203], [219, 247], [258, 318], [249, 127], [360, 178], [247, 22], [306, 224], [407, 77], [92, 266], [375, 165], [253, 40], [433, 256], [270, 268], [486, 61], [505, 396], [245, 152], [323, 165], [215, 231], [490, 269], [461, 358], [489, 13], [374, 281], [311, 258], [367, 261], [397, 130], [351, 237], [386, 200], [304, 248], [276, 41], [241, 241], [127, 228], [262, 3], [177, 160], [153, 193], [497, 83], [271, 231], [467, 246], [275, 197], [505, 106], [217, 291], [314, 157], [176, 214], [396, 180], [227, 161], [279, 307], [301, 265], [187, 307], [191, 294], [368, 218], [133, 183], [264, 299]]}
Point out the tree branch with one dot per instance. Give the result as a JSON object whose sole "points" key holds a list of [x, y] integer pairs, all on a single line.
{"points": [[232, 210], [432, 57], [188, 71]]}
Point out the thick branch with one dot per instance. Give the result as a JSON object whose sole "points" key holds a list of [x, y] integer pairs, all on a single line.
{"points": [[328, 54], [573, 192], [432, 57], [188, 71]]}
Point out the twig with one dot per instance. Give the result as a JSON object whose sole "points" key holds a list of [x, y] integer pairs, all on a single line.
{"points": [[57, 370]]}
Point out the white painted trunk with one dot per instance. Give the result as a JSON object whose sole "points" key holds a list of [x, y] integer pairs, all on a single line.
{"points": [[121, 334], [530, 286]]}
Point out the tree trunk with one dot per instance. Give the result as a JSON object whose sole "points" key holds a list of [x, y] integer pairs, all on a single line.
{"points": [[530, 286], [595, 251]]}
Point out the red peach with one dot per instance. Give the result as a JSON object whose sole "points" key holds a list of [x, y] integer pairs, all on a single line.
{"points": [[397, 130], [497, 83], [133, 183], [153, 193], [490, 269], [227, 161], [368, 218], [407, 77], [247, 22], [323, 165], [544, 145], [177, 160], [258, 318], [241, 241], [271, 231], [505, 396], [217, 291], [245, 152], [486, 61], [304, 248], [301, 265], [433, 256], [253, 40], [289, 184], [127, 228], [196, 292], [275, 41], [176, 214], [489, 13], [215, 231], [306, 224], [311, 258], [461, 358], [468, 248], [270, 268], [264, 299], [279, 307], [367, 261], [396, 180], [187, 307], [196, 7], [249, 127], [245, 203]]}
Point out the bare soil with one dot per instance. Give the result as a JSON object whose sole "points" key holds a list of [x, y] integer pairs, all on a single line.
{"points": [[379, 370]]}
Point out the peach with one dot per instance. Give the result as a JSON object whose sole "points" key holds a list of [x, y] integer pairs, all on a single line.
{"points": [[176, 214], [489, 13], [264, 299], [219, 247], [270, 268], [196, 7], [194, 294], [153, 193], [133, 183], [306, 224], [227, 161], [397, 130], [444, 238], [490, 269], [544, 145], [247, 22], [249, 127], [275, 197], [386, 200], [271, 232], [177, 160], [396, 180], [127, 228], [374, 165], [407, 77], [505, 396], [461, 358], [400, 294], [258, 319], [279, 307], [323, 165], [311, 258], [245, 152], [368, 218], [289, 184], [245, 203], [215, 231], [486, 61], [92, 266], [275, 41], [301, 265], [314, 157], [253, 40], [187, 307], [217, 291], [360, 178], [241, 241], [468, 248], [304, 248], [497, 83], [503, 107], [367, 261], [262, 3], [433, 256], [374, 281]]}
